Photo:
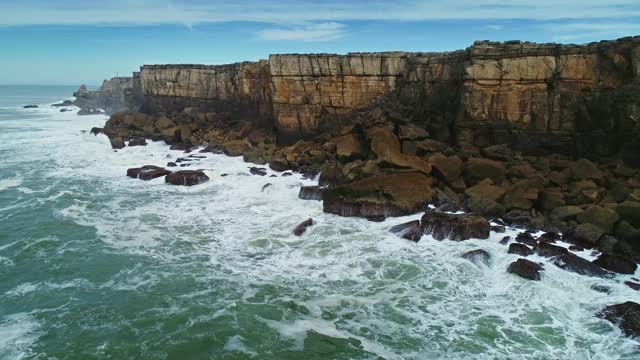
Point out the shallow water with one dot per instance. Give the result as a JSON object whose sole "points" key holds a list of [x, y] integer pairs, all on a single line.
{"points": [[96, 265]]}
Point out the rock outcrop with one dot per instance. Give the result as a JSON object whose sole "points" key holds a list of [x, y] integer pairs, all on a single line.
{"points": [[114, 95]]}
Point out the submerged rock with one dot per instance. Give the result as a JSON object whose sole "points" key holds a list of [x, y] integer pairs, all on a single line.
{"points": [[117, 142], [137, 142], [626, 316], [410, 230], [187, 177], [302, 227], [30, 106], [634, 285], [311, 192], [574, 263], [147, 172], [525, 269], [258, 171], [479, 257], [454, 226], [266, 186]]}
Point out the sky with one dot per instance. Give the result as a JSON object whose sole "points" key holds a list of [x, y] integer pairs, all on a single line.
{"points": [[71, 42]]}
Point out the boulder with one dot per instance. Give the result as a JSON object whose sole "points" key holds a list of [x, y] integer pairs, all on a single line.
{"points": [[626, 316], [187, 177], [519, 249], [549, 237], [266, 186], [525, 269], [548, 250], [599, 216], [302, 227], [574, 263], [498, 152], [448, 168], [616, 263], [565, 213], [585, 234], [30, 106], [311, 192], [550, 200], [235, 147], [523, 194], [584, 169], [479, 169], [485, 206], [411, 132], [147, 172], [117, 142], [163, 123], [380, 196], [137, 142], [633, 285], [349, 148], [386, 146], [486, 189], [279, 164], [630, 212], [526, 238], [455, 227], [505, 240], [479, 257], [410, 230]]}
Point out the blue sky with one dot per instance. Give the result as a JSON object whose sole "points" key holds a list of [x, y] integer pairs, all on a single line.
{"points": [[73, 42]]}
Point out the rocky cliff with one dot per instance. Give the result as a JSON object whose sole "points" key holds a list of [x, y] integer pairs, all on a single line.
{"points": [[112, 96], [580, 100]]}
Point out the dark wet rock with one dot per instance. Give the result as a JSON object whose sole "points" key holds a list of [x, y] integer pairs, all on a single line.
{"points": [[302, 227], [576, 264], [194, 156], [576, 248], [626, 316], [525, 269], [479, 257], [147, 172], [171, 164], [505, 240], [549, 237], [585, 234], [266, 186], [601, 289], [479, 169], [287, 173], [526, 238], [633, 285], [137, 142], [117, 142], [454, 226], [630, 212], [565, 213], [182, 147], [519, 249], [498, 152], [64, 110], [485, 206], [616, 263], [549, 250], [64, 103], [224, 175], [599, 216], [498, 229], [187, 177], [181, 160], [30, 106], [258, 171], [279, 164], [185, 165], [410, 230], [89, 111], [273, 175], [311, 192], [378, 197]]}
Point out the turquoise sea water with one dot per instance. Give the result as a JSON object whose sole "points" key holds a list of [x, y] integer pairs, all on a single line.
{"points": [[94, 265]]}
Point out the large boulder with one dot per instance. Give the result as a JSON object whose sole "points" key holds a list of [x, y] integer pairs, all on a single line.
{"points": [[235, 147], [411, 132], [455, 227], [565, 213], [498, 152], [163, 123], [584, 169], [616, 263], [410, 230], [380, 196], [486, 189], [448, 168], [548, 250], [599, 216], [519, 249], [630, 212], [117, 142], [485, 206], [349, 148], [585, 234], [523, 194], [574, 263], [525, 269], [187, 177], [479, 169], [147, 172], [386, 146], [626, 316]]}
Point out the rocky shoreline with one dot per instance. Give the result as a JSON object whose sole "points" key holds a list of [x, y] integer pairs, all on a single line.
{"points": [[379, 162]]}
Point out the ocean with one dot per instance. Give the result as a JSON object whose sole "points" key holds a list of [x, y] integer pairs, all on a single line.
{"points": [[96, 265]]}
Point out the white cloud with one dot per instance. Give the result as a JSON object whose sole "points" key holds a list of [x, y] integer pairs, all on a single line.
{"points": [[30, 12], [313, 32]]}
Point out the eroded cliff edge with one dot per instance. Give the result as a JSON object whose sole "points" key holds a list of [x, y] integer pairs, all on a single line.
{"points": [[580, 100]]}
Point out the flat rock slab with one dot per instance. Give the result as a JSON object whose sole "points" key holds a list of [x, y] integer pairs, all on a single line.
{"points": [[187, 177], [147, 172], [410, 230], [455, 227], [525, 269], [574, 263], [626, 316]]}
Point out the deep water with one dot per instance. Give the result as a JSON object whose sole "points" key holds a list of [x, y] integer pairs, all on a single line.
{"points": [[95, 265]]}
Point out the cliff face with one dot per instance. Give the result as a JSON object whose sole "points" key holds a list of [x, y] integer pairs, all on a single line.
{"points": [[111, 96], [541, 98]]}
